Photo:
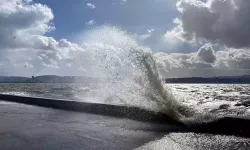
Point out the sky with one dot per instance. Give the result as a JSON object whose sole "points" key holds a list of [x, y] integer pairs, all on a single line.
{"points": [[186, 37]]}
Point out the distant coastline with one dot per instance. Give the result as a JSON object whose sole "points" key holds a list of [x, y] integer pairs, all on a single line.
{"points": [[45, 79], [245, 79]]}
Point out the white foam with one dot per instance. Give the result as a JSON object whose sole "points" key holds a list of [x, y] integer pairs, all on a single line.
{"points": [[128, 71], [191, 141], [209, 97], [16, 93]]}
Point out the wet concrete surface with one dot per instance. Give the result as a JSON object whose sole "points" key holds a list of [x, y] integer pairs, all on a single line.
{"points": [[25, 127]]}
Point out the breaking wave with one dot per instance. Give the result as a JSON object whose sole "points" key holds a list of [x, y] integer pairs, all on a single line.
{"points": [[129, 73]]}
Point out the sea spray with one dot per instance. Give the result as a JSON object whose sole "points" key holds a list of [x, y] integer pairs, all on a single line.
{"points": [[128, 73]]}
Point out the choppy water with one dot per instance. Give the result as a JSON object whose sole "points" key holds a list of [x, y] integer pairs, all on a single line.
{"points": [[76, 92], [230, 99], [224, 99]]}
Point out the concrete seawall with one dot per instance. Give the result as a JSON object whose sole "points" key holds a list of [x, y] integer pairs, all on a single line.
{"points": [[237, 126], [102, 109]]}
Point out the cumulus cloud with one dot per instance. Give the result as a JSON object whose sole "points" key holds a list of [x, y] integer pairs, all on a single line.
{"points": [[217, 21], [206, 54], [90, 22], [89, 5], [18, 21], [24, 50], [233, 59], [204, 63], [224, 22]]}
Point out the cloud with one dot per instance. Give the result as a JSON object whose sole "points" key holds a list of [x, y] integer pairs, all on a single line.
{"points": [[175, 35], [89, 5], [124, 2], [23, 26], [204, 63], [19, 22], [213, 21], [26, 50], [206, 54], [147, 35], [90, 22], [151, 30], [234, 59], [217, 21]]}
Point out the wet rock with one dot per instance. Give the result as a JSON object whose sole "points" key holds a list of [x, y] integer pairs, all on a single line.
{"points": [[246, 104]]}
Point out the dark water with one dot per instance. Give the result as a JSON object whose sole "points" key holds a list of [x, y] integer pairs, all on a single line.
{"points": [[46, 90]]}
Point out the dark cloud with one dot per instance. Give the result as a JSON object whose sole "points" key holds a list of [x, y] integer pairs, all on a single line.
{"points": [[218, 21], [206, 53]]}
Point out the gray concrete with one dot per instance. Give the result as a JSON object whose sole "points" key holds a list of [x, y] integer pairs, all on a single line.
{"points": [[26, 127], [133, 113], [238, 126]]}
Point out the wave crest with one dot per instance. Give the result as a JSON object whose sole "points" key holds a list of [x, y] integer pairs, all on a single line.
{"points": [[129, 73]]}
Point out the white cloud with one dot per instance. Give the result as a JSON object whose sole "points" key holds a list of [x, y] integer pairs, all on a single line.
{"points": [[147, 35], [90, 22], [124, 2], [205, 62], [217, 21], [175, 35], [89, 5], [24, 50], [151, 30]]}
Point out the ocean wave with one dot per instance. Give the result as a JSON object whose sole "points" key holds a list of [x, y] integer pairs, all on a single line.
{"points": [[129, 74]]}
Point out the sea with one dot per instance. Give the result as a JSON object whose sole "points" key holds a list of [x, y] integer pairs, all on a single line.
{"points": [[224, 99]]}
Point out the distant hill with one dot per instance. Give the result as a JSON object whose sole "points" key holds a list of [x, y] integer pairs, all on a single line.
{"points": [[224, 79], [73, 79], [59, 79], [51, 79], [47, 79], [4, 79]]}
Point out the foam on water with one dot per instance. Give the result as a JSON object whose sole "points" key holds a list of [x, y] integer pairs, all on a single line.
{"points": [[190, 141], [16, 93], [215, 99]]}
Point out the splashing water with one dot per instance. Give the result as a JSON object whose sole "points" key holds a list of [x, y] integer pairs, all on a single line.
{"points": [[128, 72]]}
